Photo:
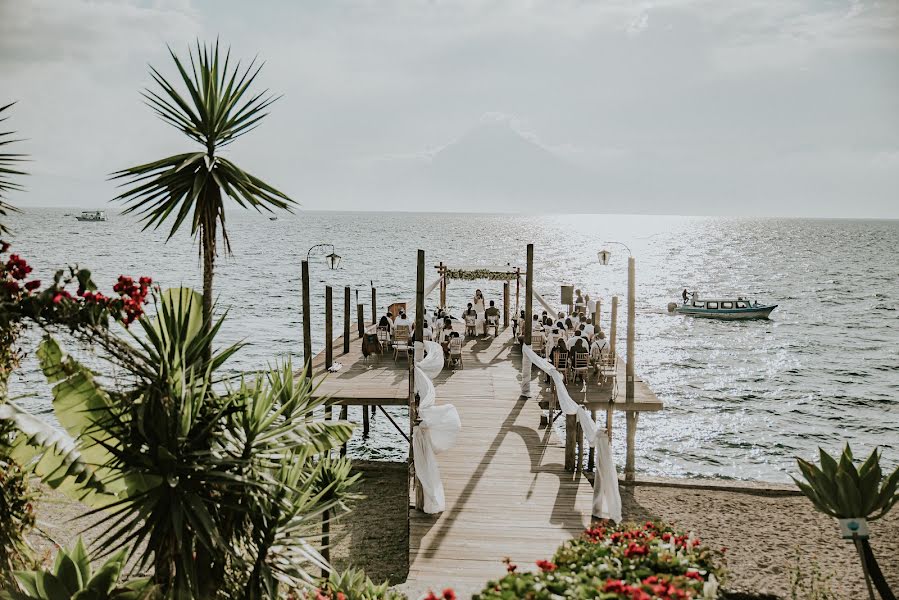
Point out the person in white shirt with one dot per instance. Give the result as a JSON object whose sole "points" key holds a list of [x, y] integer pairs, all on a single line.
{"points": [[591, 305], [588, 329], [402, 321], [600, 346]]}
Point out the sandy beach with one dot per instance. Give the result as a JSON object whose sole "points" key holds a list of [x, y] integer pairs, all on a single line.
{"points": [[769, 531]]}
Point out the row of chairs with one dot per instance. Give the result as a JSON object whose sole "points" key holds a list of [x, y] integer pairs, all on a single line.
{"points": [[471, 324], [578, 364]]}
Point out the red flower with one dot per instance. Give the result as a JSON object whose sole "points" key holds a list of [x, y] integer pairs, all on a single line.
{"points": [[635, 549], [341, 596], [11, 287], [510, 568], [33, 285], [449, 594], [431, 596], [694, 575], [547, 566], [4, 246], [616, 586]]}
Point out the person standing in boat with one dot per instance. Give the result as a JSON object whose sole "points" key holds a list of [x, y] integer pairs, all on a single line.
{"points": [[685, 295]]}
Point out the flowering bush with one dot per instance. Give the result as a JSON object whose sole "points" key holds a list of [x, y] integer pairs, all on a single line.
{"points": [[648, 562], [56, 304]]}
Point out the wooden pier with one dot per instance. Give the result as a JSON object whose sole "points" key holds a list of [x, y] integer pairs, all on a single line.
{"points": [[508, 492], [513, 489]]}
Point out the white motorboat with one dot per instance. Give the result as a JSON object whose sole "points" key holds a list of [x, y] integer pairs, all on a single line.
{"points": [[92, 215], [722, 308]]}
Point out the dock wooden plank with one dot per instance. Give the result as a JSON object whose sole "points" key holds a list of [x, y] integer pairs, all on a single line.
{"points": [[507, 492]]}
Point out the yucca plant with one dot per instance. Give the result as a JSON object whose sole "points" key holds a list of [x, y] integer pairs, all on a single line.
{"points": [[332, 481], [353, 584], [212, 487], [71, 578], [215, 107], [844, 491], [10, 170]]}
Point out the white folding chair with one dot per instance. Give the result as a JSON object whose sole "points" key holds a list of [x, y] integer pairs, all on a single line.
{"points": [[401, 341]]}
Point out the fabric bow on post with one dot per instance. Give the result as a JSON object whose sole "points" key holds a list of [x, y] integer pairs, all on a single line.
{"points": [[438, 428]]}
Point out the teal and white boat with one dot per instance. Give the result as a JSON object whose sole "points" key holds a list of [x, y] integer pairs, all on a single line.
{"points": [[728, 309]]}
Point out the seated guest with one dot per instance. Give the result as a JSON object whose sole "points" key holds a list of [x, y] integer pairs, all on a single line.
{"points": [[587, 329], [569, 324], [559, 348], [425, 332], [386, 321], [470, 311], [580, 345], [402, 321], [492, 311], [600, 345], [574, 339]]}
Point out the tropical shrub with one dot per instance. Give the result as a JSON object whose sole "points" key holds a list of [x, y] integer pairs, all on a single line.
{"points": [[16, 518], [71, 577], [209, 486], [844, 491], [351, 584], [648, 562]]}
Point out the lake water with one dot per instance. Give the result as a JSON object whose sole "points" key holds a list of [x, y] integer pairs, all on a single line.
{"points": [[742, 399]]}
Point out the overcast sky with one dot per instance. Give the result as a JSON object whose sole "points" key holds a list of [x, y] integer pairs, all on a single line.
{"points": [[751, 107]]}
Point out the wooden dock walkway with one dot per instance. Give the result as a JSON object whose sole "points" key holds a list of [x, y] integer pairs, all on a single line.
{"points": [[508, 493]]}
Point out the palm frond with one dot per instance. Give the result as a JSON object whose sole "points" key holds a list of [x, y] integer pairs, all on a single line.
{"points": [[9, 169]]}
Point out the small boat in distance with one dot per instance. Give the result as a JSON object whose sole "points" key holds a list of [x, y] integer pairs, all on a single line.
{"points": [[273, 218], [728, 309], [92, 215]]}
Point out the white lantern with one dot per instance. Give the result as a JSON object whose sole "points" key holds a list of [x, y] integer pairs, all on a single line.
{"points": [[603, 257], [333, 260]]}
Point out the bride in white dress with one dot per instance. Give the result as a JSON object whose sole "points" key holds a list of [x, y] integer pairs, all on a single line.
{"points": [[480, 309]]}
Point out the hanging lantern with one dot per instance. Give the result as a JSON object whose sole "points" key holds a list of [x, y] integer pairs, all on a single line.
{"points": [[333, 260], [603, 257]]}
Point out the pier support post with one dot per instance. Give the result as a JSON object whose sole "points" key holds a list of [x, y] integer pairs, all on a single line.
{"points": [[365, 424], [613, 326], [329, 337], [360, 319], [529, 296], [418, 355], [506, 304], [374, 306], [329, 328], [570, 441], [307, 324], [441, 272], [346, 320], [591, 459], [629, 467]]}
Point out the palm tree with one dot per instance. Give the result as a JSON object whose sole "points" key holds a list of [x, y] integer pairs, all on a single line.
{"points": [[217, 109], [8, 170]]}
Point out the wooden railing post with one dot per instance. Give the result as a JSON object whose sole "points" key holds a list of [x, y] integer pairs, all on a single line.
{"points": [[529, 296], [418, 340], [360, 319], [613, 326], [630, 458], [307, 323], [374, 306], [505, 304], [346, 320], [329, 337]]}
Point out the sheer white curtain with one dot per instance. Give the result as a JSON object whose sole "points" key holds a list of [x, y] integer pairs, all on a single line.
{"points": [[438, 428], [606, 496]]}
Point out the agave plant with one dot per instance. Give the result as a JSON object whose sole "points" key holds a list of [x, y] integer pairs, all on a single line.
{"points": [[215, 108], [353, 584], [210, 486], [844, 491], [71, 577], [9, 170]]}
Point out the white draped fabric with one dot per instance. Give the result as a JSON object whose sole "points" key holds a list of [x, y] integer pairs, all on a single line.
{"points": [[410, 304], [606, 497], [545, 304], [437, 430]]}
